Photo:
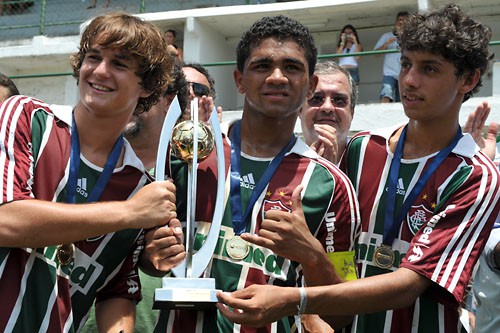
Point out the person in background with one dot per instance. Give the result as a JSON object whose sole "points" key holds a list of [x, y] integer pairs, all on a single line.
{"points": [[60, 249], [201, 83], [486, 285], [93, 4], [483, 312], [349, 43], [326, 117], [275, 71], [173, 49], [7, 88], [475, 124], [415, 267], [391, 68]]}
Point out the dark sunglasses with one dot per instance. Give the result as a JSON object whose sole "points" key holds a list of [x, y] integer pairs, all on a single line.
{"points": [[337, 101], [200, 89]]}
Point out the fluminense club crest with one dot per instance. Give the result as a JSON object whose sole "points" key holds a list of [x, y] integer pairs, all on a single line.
{"points": [[417, 216], [274, 205]]}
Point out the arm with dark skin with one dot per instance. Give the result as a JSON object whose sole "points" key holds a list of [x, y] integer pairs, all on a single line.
{"points": [[257, 305], [288, 235]]}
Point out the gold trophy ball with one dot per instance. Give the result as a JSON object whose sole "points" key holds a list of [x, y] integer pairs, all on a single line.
{"points": [[182, 141]]}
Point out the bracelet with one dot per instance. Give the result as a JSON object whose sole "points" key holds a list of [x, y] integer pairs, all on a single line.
{"points": [[342, 44], [301, 308]]}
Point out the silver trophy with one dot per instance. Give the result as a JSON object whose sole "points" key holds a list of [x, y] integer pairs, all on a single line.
{"points": [[191, 141]]}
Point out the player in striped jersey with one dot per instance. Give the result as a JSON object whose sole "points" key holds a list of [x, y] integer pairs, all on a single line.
{"points": [[415, 259], [276, 59], [59, 251]]}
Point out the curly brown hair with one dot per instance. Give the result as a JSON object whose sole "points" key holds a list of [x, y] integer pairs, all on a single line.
{"points": [[449, 32], [141, 40]]}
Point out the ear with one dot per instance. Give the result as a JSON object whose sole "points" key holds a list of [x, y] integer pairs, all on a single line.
{"points": [[238, 80], [470, 81], [313, 82]]}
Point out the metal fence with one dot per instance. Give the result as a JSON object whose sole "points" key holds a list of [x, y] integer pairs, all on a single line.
{"points": [[21, 19]]}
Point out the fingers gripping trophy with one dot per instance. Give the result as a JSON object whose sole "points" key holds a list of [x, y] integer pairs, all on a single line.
{"points": [[191, 141]]}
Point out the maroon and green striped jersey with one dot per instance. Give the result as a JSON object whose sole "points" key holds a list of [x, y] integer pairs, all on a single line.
{"points": [[441, 236], [331, 212], [39, 294]]}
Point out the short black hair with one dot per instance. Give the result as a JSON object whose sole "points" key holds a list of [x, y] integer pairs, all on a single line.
{"points": [[281, 27], [6, 82], [179, 85], [402, 13]]}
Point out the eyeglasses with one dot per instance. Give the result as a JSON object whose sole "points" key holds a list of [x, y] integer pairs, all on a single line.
{"points": [[337, 101], [199, 89]]}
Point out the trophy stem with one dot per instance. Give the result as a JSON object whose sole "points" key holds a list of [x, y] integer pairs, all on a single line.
{"points": [[187, 290], [191, 198], [190, 219]]}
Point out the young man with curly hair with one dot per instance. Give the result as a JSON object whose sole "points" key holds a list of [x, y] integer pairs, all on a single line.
{"points": [[428, 197], [288, 209], [59, 249]]}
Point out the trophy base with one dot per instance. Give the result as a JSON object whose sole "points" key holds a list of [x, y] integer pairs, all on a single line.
{"points": [[186, 293]]}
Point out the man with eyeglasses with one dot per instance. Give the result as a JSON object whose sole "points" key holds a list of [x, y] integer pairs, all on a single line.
{"points": [[326, 117]]}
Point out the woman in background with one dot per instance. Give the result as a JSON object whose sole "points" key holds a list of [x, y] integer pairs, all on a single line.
{"points": [[349, 43]]}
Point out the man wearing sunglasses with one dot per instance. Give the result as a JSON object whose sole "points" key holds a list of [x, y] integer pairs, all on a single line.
{"points": [[201, 83]]}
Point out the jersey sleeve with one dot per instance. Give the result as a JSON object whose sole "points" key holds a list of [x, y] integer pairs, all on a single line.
{"points": [[16, 154], [446, 248], [339, 227], [126, 283]]}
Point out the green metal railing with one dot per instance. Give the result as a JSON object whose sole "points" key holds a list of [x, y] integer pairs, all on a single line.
{"points": [[232, 63]]}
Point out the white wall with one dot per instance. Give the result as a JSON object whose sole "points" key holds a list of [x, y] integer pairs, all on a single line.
{"points": [[204, 45]]}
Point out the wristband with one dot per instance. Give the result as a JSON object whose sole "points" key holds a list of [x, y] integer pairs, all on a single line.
{"points": [[301, 308]]}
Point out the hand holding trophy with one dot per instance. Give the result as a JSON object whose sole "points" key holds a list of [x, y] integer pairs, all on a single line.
{"points": [[191, 141]]}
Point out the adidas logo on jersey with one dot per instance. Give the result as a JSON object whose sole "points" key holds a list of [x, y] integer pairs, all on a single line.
{"points": [[247, 181], [400, 187], [81, 187]]}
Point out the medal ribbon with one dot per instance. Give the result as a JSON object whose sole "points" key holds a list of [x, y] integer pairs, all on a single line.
{"points": [[239, 219], [75, 165], [392, 225]]}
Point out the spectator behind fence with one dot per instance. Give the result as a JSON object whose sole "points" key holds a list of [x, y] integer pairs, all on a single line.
{"points": [[14, 7], [415, 267], [349, 43], [7, 88], [389, 41], [60, 249], [171, 37], [93, 4]]}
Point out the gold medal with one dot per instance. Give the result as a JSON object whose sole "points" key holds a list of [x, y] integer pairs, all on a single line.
{"points": [[65, 253], [383, 257], [237, 248]]}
